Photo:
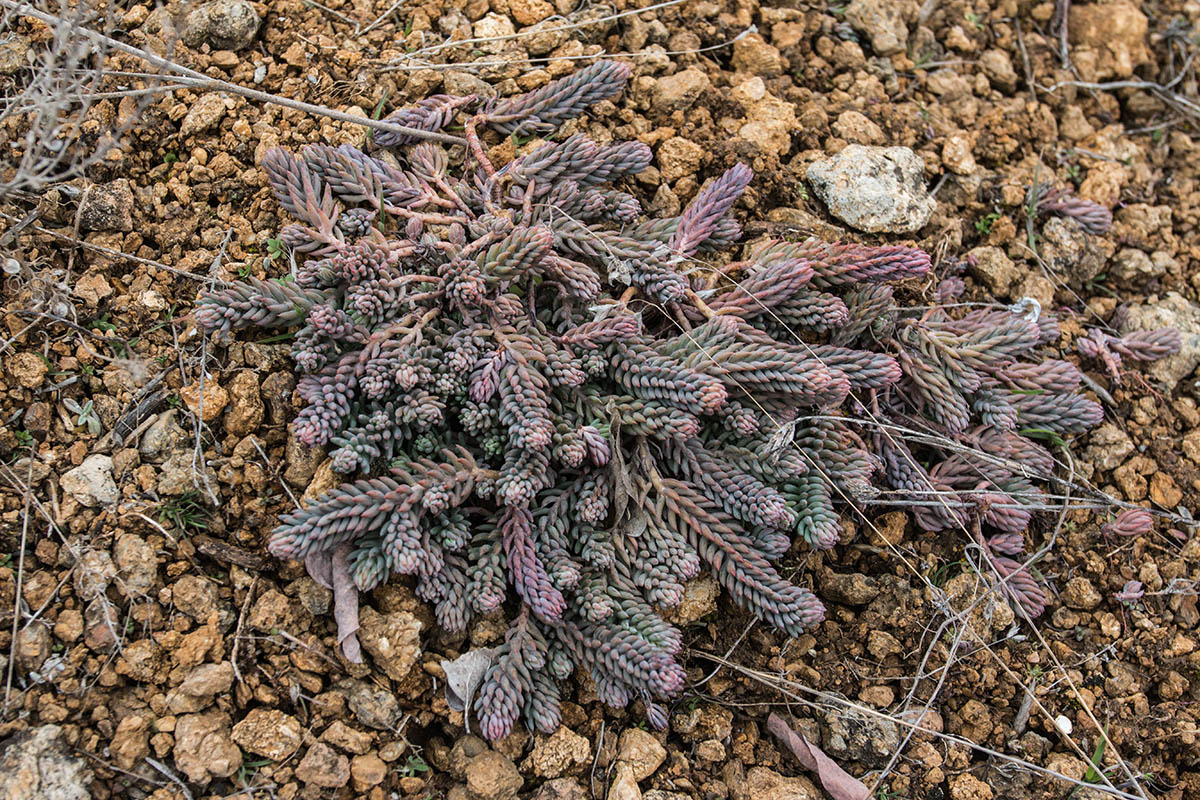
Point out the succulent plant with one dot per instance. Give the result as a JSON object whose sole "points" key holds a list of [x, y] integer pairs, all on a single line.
{"points": [[544, 399]]}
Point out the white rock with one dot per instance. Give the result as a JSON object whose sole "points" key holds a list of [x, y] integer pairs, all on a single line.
{"points": [[874, 189], [91, 483]]}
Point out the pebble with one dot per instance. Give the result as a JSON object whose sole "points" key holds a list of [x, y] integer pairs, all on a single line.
{"points": [[677, 92], [69, 625], [1108, 41], [884, 22], [998, 68], [562, 789], [28, 369], [559, 753], [200, 687], [1081, 595], [341, 735], [131, 741], [246, 408], [957, 156], [624, 785], [94, 571], [270, 733], [177, 475], [163, 436], [392, 640], [855, 736], [641, 751], [136, 567], [324, 767], [882, 644], [1072, 252], [204, 115], [492, 776], [769, 121], [100, 625], [699, 600], [854, 589], [994, 269], [711, 750], [91, 483], [529, 12], [678, 157], [204, 747], [766, 784], [495, 30], [14, 53], [223, 24], [206, 401], [367, 771], [855, 126], [31, 647], [107, 207], [37, 763], [194, 596], [967, 787], [874, 189], [373, 706], [752, 54]]}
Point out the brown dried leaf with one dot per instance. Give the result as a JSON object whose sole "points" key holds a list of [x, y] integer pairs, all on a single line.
{"points": [[331, 569], [836, 781]]}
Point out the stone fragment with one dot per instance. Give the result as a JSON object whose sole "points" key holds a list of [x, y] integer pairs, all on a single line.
{"points": [[206, 400], [558, 754], [752, 54], [373, 706], [1081, 595], [529, 12], [37, 763], [641, 752], [678, 157], [852, 589], [204, 748], [677, 92], [324, 767], [130, 742], [998, 67], [246, 407], [491, 776], [885, 22], [1108, 40], [769, 121], [766, 784], [699, 600], [223, 24], [367, 771], [269, 733], [204, 115], [137, 570], [200, 687], [107, 207], [874, 189], [993, 268], [28, 369], [92, 483], [392, 640], [194, 596]]}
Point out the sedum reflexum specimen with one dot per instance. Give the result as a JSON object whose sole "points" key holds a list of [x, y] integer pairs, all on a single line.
{"points": [[544, 399]]}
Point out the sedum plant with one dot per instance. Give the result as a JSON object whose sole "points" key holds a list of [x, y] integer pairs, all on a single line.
{"points": [[543, 400]]}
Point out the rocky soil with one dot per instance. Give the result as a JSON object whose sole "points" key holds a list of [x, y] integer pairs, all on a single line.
{"points": [[160, 652]]}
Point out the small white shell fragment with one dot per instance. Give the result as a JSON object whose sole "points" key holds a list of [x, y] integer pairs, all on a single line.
{"points": [[1063, 724]]}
